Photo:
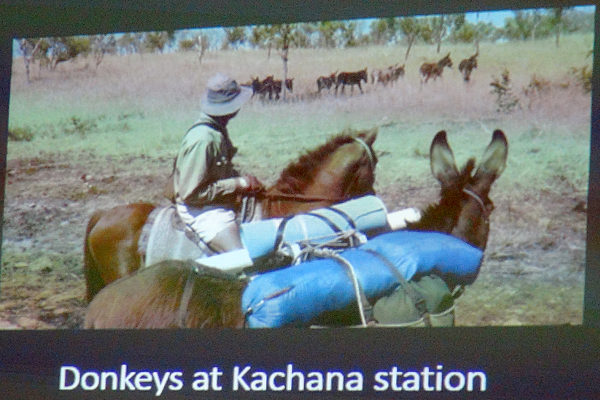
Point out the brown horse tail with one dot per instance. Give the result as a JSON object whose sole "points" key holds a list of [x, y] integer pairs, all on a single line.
{"points": [[93, 280]]}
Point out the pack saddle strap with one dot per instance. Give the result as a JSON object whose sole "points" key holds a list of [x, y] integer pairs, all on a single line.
{"points": [[416, 298], [185, 298]]}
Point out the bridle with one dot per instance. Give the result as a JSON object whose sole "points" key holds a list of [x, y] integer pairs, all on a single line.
{"points": [[478, 200]]}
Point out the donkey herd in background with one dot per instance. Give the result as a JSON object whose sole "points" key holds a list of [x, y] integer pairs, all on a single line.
{"points": [[271, 88]]}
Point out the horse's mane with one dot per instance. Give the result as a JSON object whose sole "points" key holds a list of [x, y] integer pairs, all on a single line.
{"points": [[299, 174]]}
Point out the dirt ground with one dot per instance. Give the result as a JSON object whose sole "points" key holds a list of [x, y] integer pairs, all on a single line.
{"points": [[528, 276]]}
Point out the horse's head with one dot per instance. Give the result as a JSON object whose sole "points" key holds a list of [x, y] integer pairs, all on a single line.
{"points": [[349, 169], [464, 207], [341, 169], [359, 161]]}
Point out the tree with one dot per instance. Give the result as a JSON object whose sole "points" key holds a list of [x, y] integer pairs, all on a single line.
{"points": [[327, 33], [558, 22], [202, 43], [347, 34], [67, 48], [234, 37], [440, 29], [282, 37], [29, 48], [411, 29], [385, 30], [523, 26], [130, 43], [154, 41], [285, 34], [101, 45]]}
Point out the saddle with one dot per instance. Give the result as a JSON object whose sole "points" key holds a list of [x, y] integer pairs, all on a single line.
{"points": [[164, 236]]}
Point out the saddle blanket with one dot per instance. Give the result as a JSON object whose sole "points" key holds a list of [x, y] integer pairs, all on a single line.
{"points": [[164, 237], [297, 294]]}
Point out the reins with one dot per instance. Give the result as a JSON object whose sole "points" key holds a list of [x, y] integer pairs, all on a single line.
{"points": [[277, 195]]}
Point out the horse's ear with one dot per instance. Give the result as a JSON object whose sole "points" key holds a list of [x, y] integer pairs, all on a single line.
{"points": [[441, 159], [493, 161], [370, 136]]}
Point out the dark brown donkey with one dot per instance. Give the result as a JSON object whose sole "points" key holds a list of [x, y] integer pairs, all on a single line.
{"points": [[339, 170], [350, 78], [170, 294]]}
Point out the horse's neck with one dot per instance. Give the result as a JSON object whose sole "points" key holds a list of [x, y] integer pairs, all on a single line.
{"points": [[273, 206]]}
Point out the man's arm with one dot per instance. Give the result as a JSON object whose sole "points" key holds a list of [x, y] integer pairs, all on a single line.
{"points": [[193, 180]]}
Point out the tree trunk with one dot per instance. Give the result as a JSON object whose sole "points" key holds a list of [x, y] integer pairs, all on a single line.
{"points": [[440, 34], [284, 57], [411, 40]]}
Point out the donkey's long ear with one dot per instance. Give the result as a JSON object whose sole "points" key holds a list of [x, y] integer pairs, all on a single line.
{"points": [[441, 159], [493, 161]]}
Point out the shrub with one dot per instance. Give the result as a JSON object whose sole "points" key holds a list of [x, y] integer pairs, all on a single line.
{"points": [[506, 100], [583, 77], [80, 126], [535, 89], [21, 134]]}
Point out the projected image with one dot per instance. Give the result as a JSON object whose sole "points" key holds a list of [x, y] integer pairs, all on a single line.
{"points": [[403, 171]]}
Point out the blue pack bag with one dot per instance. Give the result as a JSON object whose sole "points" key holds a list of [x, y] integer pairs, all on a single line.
{"points": [[297, 294]]}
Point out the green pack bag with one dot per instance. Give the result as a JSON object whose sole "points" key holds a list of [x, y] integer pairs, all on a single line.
{"points": [[401, 308]]}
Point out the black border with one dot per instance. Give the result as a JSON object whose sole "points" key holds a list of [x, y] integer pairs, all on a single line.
{"points": [[528, 362]]}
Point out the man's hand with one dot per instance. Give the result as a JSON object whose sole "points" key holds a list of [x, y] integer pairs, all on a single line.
{"points": [[250, 184]]}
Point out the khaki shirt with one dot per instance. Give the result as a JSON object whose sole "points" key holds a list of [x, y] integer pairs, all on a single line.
{"points": [[204, 173]]}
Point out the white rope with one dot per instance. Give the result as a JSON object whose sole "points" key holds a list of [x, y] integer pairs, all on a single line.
{"points": [[355, 284]]}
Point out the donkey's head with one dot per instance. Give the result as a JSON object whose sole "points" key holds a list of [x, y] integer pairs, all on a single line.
{"points": [[464, 207]]}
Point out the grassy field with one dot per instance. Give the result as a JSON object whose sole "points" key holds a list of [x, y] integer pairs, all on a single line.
{"points": [[126, 119]]}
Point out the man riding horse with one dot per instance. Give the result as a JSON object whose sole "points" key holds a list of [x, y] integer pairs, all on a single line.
{"points": [[205, 183]]}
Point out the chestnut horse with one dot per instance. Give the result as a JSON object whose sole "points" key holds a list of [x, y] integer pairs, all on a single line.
{"points": [[337, 171], [172, 294]]}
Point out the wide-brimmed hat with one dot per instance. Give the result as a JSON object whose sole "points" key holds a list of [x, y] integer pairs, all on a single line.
{"points": [[224, 96]]}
